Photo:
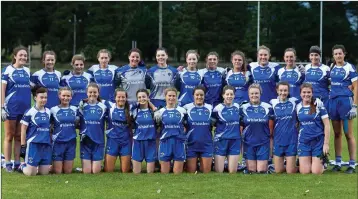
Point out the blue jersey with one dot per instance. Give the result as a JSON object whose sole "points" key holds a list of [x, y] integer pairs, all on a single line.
{"points": [[256, 120], [158, 80], [64, 123], [213, 81], [144, 128], [92, 119], [51, 81], [293, 77], [131, 79], [104, 77], [285, 131], [171, 121], [241, 82], [311, 125], [117, 126], [38, 125], [18, 92], [199, 123], [227, 122], [186, 82], [318, 77], [78, 85], [341, 78], [266, 76]]}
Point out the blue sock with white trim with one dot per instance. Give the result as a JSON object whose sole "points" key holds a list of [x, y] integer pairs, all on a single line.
{"points": [[339, 161], [352, 163]]}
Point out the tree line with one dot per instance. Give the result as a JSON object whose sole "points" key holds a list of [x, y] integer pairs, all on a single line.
{"points": [[205, 26]]}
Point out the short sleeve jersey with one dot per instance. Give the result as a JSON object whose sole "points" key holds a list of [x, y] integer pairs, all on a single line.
{"points": [[64, 123], [172, 122], [78, 85], [92, 120], [51, 81], [18, 91], [199, 125], [131, 79], [266, 76], [311, 125], [227, 122], [341, 78], [285, 117], [256, 120], [186, 82], [38, 125], [318, 77], [213, 81], [104, 77], [293, 77]]}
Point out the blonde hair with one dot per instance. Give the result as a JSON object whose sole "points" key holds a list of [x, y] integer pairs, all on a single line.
{"points": [[255, 85], [263, 47], [167, 90], [104, 51], [78, 57], [66, 88], [192, 52]]}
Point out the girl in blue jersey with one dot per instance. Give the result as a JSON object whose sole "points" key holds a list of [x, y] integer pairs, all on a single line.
{"points": [[227, 139], [144, 136], [131, 77], [199, 137], [49, 78], [119, 132], [35, 136], [318, 74], [15, 100], [291, 73], [343, 105], [92, 113], [264, 73], [257, 116], [188, 79], [313, 140], [239, 77], [172, 139], [77, 80], [285, 132], [212, 79], [160, 77], [104, 74], [64, 119]]}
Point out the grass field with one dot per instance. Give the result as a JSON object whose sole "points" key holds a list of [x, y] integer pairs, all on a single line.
{"points": [[213, 185]]}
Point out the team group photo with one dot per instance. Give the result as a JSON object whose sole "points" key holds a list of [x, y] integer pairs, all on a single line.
{"points": [[179, 117]]}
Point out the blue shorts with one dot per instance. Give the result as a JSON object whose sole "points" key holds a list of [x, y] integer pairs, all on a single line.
{"points": [[227, 147], [90, 150], [261, 152], [312, 148], [171, 148], [16, 117], [288, 150], [64, 151], [339, 107], [38, 154], [144, 149], [117, 147], [206, 152]]}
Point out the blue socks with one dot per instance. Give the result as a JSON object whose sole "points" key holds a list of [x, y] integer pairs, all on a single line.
{"points": [[352, 163], [339, 161]]}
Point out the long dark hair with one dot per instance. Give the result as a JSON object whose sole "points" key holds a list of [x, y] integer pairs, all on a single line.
{"points": [[126, 107]]}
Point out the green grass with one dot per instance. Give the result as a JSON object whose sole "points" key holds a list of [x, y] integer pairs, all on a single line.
{"points": [[213, 185]]}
